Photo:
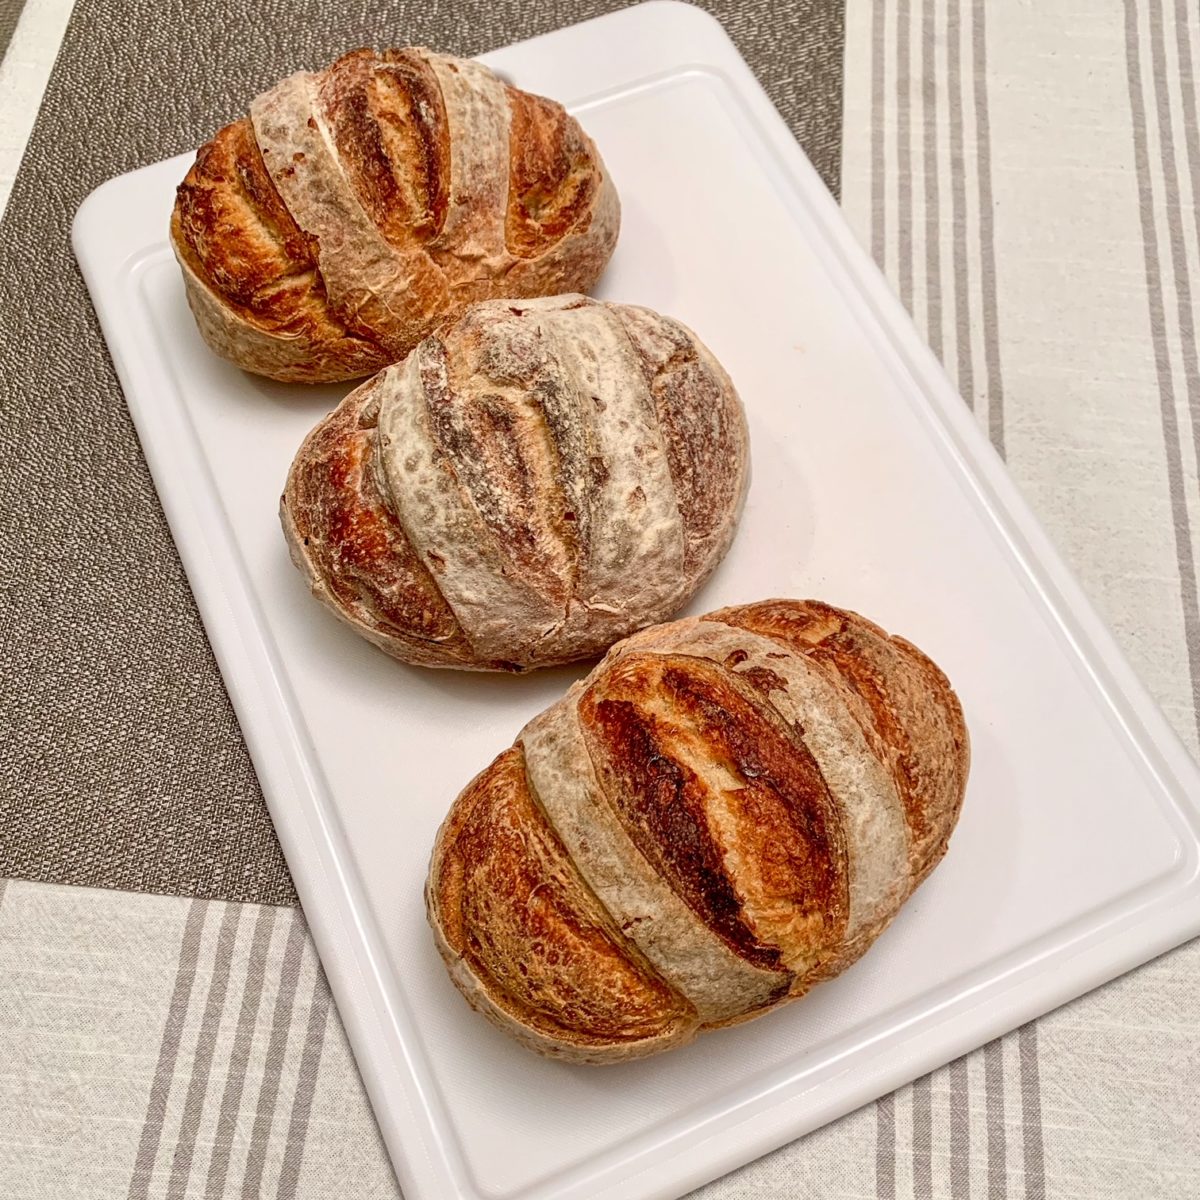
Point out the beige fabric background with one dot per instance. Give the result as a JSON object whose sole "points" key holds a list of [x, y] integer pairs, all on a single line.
{"points": [[123, 766], [1029, 176]]}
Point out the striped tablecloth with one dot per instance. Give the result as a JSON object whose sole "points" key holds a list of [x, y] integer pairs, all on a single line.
{"points": [[1028, 175]]}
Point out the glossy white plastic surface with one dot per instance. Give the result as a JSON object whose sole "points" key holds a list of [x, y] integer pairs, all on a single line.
{"points": [[1076, 857]]}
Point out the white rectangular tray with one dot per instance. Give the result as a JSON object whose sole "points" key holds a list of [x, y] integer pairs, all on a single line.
{"points": [[1076, 857]]}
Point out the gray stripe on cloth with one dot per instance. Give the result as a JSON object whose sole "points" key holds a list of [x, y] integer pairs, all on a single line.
{"points": [[1191, 124], [168, 1052], [885, 1148], [206, 1044], [997, 1152], [1031, 1114], [268, 1095], [987, 231], [933, 233], [10, 14], [310, 1065], [904, 179], [1174, 209], [878, 108], [1162, 353], [1180, 267], [3, 889], [958, 204], [922, 1138], [960, 1130], [239, 1056]]}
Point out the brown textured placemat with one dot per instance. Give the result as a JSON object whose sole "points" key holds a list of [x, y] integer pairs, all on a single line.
{"points": [[121, 763]]}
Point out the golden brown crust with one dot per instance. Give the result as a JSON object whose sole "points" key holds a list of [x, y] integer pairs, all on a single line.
{"points": [[688, 384], [251, 272], [236, 233], [697, 769], [513, 911], [353, 546], [393, 141], [525, 477], [552, 177], [925, 743], [361, 206], [787, 770]]}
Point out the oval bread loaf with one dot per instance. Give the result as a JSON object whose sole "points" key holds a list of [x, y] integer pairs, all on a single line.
{"points": [[528, 486], [728, 810], [324, 235]]}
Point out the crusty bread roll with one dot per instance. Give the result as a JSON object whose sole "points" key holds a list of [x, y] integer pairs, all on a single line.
{"points": [[529, 485], [726, 811], [355, 208]]}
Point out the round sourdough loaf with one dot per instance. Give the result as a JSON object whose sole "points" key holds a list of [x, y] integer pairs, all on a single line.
{"points": [[728, 810], [530, 484], [355, 208]]}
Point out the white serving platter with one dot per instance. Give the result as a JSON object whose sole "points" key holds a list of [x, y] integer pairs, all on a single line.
{"points": [[1077, 854]]}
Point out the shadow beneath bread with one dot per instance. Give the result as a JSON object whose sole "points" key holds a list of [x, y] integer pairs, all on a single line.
{"points": [[475, 689], [317, 398]]}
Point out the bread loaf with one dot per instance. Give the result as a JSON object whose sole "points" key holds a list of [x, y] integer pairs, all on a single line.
{"points": [[728, 810], [528, 486], [324, 235]]}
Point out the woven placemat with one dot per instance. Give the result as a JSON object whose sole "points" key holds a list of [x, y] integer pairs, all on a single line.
{"points": [[122, 764]]}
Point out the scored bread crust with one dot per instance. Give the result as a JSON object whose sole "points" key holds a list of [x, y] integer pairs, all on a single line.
{"points": [[531, 484], [355, 208], [738, 803]]}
